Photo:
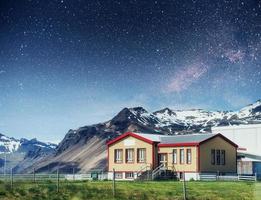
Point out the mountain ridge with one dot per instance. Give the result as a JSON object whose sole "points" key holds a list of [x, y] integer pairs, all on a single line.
{"points": [[79, 145]]}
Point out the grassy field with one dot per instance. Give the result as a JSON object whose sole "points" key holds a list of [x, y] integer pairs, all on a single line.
{"points": [[165, 190]]}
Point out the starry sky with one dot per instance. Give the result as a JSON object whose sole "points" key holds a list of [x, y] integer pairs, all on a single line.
{"points": [[69, 63]]}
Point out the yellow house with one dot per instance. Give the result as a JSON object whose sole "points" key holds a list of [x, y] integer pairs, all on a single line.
{"points": [[133, 155]]}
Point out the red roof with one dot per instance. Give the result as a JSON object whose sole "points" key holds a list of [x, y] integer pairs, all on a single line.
{"points": [[197, 143], [178, 144], [129, 134]]}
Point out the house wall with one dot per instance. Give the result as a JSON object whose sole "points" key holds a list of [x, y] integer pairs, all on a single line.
{"points": [[205, 156], [246, 136], [130, 142], [181, 167]]}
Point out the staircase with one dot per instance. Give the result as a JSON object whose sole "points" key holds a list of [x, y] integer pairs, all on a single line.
{"points": [[163, 173], [159, 173], [144, 173]]}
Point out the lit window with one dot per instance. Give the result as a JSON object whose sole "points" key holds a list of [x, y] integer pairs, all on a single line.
{"points": [[129, 175], [181, 151], [188, 156], [213, 156], [223, 157], [129, 155], [218, 157], [141, 155], [118, 155], [174, 156]]}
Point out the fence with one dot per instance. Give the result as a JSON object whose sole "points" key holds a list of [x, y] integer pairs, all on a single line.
{"points": [[215, 177]]}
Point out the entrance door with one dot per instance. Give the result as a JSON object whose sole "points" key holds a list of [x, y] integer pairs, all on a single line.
{"points": [[163, 159]]}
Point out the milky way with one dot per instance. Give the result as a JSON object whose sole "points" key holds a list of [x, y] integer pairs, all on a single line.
{"points": [[65, 64]]}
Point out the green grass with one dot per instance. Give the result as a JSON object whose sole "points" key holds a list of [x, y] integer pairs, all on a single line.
{"points": [[257, 191], [162, 190]]}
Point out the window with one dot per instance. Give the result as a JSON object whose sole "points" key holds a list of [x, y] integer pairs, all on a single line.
{"points": [[218, 157], [223, 157], [188, 156], [129, 175], [181, 154], [141, 157], [213, 156], [174, 156], [118, 175], [129, 155], [118, 154]]}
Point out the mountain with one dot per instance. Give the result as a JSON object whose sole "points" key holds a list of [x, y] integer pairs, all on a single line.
{"points": [[85, 148], [15, 151]]}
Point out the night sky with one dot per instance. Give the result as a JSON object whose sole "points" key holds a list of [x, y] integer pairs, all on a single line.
{"points": [[68, 63]]}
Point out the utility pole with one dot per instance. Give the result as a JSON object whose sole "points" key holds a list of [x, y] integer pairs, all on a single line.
{"points": [[113, 183], [73, 174], [12, 179], [34, 176], [5, 166], [58, 181], [184, 187]]}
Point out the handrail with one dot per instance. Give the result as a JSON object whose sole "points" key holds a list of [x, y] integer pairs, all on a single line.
{"points": [[143, 169], [157, 170]]}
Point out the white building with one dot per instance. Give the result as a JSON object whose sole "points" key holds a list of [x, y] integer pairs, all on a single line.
{"points": [[248, 137]]}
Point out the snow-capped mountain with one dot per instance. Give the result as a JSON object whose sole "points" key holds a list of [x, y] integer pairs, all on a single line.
{"points": [[85, 147], [16, 150], [11, 145]]}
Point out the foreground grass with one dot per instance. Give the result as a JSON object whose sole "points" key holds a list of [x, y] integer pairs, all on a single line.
{"points": [[163, 190]]}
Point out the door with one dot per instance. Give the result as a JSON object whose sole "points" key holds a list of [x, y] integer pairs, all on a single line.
{"points": [[163, 159]]}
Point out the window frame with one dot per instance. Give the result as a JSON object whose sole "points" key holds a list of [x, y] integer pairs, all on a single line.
{"points": [[182, 159], [129, 177], [223, 157], [213, 156], [117, 161], [126, 155], [138, 155], [218, 156], [189, 162], [174, 155], [118, 173]]}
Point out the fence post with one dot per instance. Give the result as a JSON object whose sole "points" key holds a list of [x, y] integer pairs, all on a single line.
{"points": [[113, 183], [184, 187], [34, 175], [12, 178], [58, 180], [73, 174]]}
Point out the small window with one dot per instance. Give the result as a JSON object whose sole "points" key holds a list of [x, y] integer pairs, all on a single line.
{"points": [[174, 156], [129, 175], [129, 155], [223, 157], [213, 156], [188, 156], [118, 154], [181, 151], [118, 175], [141, 155], [218, 157]]}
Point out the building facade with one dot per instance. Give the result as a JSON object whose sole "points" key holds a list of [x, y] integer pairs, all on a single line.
{"points": [[132, 154], [248, 137]]}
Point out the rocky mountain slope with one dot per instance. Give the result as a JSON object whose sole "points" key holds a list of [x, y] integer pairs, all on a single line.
{"points": [[85, 148], [14, 151]]}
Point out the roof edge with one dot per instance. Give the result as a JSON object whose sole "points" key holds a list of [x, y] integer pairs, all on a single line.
{"points": [[222, 136], [129, 134], [181, 144]]}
